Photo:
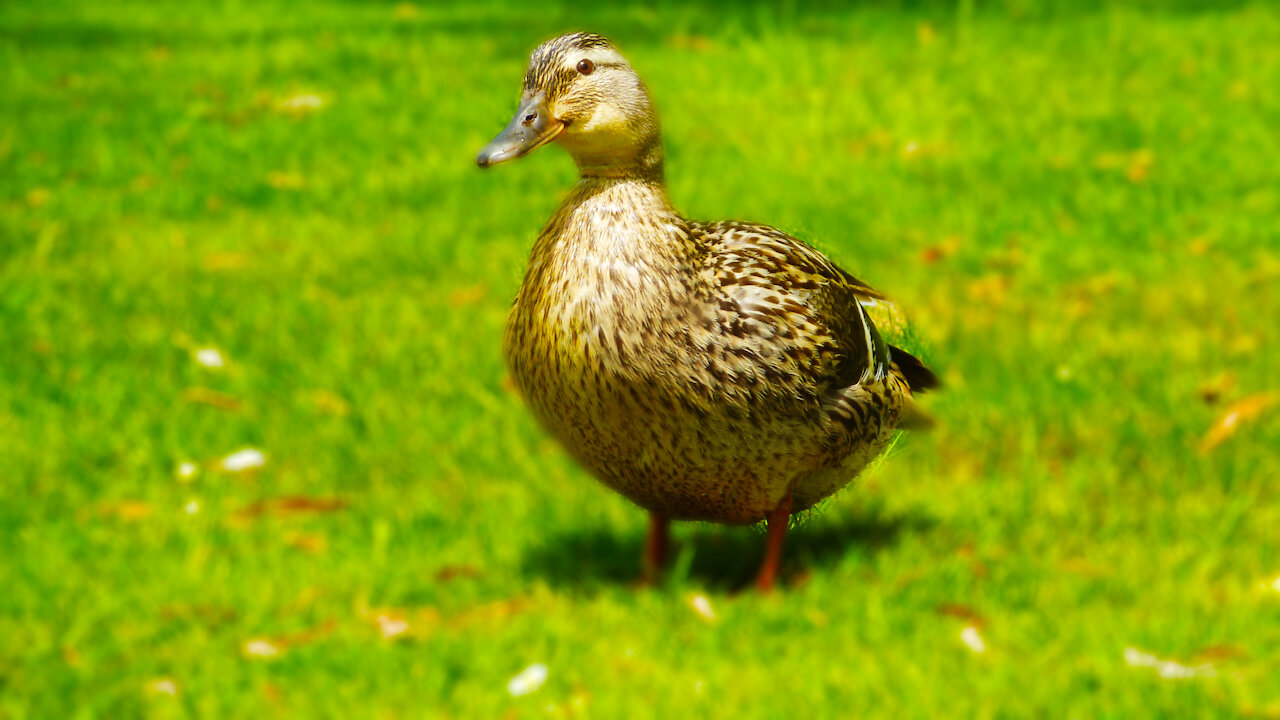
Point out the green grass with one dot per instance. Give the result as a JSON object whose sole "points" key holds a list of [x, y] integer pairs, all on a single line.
{"points": [[1080, 208]]}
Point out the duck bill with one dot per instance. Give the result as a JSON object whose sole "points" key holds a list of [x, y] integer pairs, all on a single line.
{"points": [[532, 127]]}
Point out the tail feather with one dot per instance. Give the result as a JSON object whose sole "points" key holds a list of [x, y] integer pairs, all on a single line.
{"points": [[919, 378]]}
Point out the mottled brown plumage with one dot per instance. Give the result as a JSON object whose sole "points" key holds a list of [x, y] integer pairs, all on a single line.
{"points": [[718, 371]]}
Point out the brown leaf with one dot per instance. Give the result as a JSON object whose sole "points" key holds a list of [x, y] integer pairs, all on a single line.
{"points": [[126, 510], [941, 251], [212, 398], [208, 614], [1139, 166], [1218, 653], [798, 579], [292, 505], [456, 572], [491, 613], [509, 385], [1241, 411], [1213, 389], [272, 693], [962, 612], [266, 648], [307, 542]]}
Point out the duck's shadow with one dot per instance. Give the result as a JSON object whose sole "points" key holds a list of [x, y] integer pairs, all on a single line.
{"points": [[717, 557]]}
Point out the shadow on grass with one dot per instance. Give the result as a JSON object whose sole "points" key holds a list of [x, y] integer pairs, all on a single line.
{"points": [[717, 557]]}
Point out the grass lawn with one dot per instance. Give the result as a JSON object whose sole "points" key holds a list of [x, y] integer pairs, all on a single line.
{"points": [[1079, 208]]}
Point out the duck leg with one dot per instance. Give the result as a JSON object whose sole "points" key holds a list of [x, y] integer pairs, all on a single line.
{"points": [[656, 546], [777, 521]]}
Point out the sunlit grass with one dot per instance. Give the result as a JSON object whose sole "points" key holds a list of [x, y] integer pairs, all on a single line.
{"points": [[1078, 208]]}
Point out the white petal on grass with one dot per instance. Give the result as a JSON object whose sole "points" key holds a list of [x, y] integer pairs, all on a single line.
{"points": [[192, 507], [187, 470], [391, 627], [527, 680], [261, 649], [702, 605], [1275, 584], [163, 686], [973, 639], [302, 103], [1167, 669], [242, 460], [210, 358]]}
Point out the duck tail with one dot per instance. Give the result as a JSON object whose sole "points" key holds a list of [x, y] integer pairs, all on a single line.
{"points": [[919, 378]]}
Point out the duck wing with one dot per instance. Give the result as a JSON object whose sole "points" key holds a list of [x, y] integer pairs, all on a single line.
{"points": [[803, 311]]}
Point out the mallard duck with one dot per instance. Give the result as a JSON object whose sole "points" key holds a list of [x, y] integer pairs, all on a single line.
{"points": [[715, 371]]}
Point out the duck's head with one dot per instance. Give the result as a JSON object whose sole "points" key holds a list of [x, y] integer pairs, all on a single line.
{"points": [[580, 92]]}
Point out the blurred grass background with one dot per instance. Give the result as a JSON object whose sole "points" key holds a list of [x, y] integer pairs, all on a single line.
{"points": [[1076, 202]]}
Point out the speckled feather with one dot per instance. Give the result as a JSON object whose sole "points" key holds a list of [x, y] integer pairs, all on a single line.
{"points": [[702, 370]]}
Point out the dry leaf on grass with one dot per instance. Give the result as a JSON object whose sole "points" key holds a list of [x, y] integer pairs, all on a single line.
{"points": [[944, 249], [307, 542], [449, 573], [1216, 387], [266, 648], [491, 613], [1240, 412], [126, 510], [292, 505], [962, 612], [212, 398]]}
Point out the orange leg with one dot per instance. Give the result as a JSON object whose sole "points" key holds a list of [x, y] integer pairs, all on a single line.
{"points": [[656, 547], [777, 523]]}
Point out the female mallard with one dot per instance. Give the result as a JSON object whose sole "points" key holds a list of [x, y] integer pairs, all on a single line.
{"points": [[718, 371]]}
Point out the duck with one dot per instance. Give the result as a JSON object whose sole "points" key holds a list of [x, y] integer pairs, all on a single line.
{"points": [[722, 372]]}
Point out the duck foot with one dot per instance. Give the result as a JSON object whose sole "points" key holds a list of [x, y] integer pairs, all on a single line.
{"points": [[777, 521], [657, 547]]}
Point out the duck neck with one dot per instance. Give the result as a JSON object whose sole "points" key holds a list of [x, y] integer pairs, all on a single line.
{"points": [[646, 164], [611, 218]]}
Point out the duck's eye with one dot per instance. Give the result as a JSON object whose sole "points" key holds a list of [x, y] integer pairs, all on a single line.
{"points": [[586, 66]]}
